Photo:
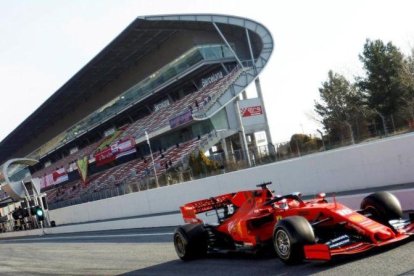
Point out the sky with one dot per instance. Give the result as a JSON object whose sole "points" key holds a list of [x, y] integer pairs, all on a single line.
{"points": [[43, 43]]}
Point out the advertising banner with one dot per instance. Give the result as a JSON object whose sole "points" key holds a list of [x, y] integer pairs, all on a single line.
{"points": [[251, 113], [161, 105], [181, 119], [56, 177], [83, 168], [105, 156], [117, 149], [211, 78], [125, 147]]}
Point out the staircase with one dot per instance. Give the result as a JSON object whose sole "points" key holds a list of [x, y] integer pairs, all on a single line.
{"points": [[215, 137]]}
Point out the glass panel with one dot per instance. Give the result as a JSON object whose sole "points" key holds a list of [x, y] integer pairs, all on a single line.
{"points": [[17, 172]]}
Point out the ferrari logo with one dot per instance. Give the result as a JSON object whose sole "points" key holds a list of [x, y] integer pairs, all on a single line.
{"points": [[357, 218]]}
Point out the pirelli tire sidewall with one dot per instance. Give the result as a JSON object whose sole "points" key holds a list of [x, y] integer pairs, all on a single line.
{"points": [[190, 241], [299, 232], [383, 206]]}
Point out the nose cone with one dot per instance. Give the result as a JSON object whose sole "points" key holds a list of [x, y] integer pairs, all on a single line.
{"points": [[383, 235]]}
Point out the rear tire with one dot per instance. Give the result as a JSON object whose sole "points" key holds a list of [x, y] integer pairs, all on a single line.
{"points": [[190, 241], [384, 206], [289, 237]]}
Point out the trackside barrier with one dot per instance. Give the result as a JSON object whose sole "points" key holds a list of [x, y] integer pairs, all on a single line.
{"points": [[367, 165], [351, 201]]}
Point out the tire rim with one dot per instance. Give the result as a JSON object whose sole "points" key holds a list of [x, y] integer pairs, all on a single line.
{"points": [[179, 246], [282, 244]]}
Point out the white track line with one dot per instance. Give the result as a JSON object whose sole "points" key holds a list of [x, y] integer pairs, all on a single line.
{"points": [[42, 238]]}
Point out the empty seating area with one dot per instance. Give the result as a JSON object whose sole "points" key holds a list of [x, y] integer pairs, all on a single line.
{"points": [[66, 161], [217, 89], [195, 101], [210, 93], [138, 169], [134, 170]]}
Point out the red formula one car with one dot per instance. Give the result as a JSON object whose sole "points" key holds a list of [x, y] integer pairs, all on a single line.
{"points": [[315, 229]]}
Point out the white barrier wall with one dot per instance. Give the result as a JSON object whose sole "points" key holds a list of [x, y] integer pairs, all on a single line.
{"points": [[379, 163]]}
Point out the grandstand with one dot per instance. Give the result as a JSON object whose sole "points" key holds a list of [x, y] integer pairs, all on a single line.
{"points": [[165, 87]]}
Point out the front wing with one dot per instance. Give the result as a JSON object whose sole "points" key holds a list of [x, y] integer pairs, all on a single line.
{"points": [[324, 252]]}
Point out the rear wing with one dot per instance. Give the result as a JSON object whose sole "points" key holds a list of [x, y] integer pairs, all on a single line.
{"points": [[190, 210]]}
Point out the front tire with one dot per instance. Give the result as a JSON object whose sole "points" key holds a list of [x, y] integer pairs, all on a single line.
{"points": [[383, 206], [190, 241], [289, 237]]}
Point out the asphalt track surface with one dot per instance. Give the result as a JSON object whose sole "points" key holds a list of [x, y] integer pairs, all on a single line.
{"points": [[151, 252]]}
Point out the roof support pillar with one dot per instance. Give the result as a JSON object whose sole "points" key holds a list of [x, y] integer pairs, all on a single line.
{"points": [[242, 134], [260, 96], [224, 68], [251, 51], [259, 89], [228, 45]]}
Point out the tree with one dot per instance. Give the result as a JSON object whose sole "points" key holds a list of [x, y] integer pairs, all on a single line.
{"points": [[301, 144], [407, 82], [381, 87], [201, 164], [340, 105]]}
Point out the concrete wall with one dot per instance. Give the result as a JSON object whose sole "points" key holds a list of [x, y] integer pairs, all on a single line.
{"points": [[367, 165]]}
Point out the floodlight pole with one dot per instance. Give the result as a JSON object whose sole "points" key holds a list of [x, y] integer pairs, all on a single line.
{"points": [[152, 159]]}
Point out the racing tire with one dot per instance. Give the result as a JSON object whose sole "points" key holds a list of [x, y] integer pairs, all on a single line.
{"points": [[289, 237], [190, 241], [383, 206]]}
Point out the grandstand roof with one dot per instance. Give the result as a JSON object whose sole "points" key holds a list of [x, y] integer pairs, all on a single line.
{"points": [[142, 36]]}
